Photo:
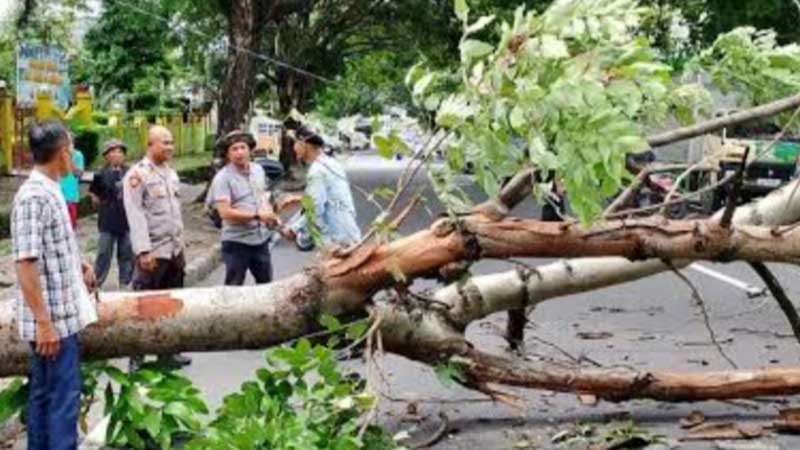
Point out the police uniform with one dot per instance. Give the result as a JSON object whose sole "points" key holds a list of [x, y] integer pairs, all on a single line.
{"points": [[153, 209]]}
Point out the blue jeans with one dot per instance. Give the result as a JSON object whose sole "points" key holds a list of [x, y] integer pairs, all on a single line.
{"points": [[239, 258], [105, 252], [54, 399]]}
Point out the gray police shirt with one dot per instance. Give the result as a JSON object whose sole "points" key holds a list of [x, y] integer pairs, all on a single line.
{"points": [[245, 192]]}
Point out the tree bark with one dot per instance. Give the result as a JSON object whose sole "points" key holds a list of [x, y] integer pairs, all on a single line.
{"points": [[245, 24], [710, 126], [228, 318], [293, 88]]}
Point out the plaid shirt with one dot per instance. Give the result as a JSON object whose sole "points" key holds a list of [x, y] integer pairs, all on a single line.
{"points": [[41, 230]]}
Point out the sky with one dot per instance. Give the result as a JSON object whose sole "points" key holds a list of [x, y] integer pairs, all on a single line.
{"points": [[6, 6]]}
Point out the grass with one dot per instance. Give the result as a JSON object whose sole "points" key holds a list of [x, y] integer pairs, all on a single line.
{"points": [[183, 162], [187, 162]]}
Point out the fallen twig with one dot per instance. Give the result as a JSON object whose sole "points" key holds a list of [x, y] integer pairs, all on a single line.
{"points": [[437, 435], [780, 296], [684, 198], [701, 304]]}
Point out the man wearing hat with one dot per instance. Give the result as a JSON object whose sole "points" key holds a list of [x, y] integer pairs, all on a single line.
{"points": [[240, 195], [106, 191]]}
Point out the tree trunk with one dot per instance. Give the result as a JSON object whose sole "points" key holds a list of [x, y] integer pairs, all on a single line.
{"points": [[293, 88], [226, 318], [238, 88]]}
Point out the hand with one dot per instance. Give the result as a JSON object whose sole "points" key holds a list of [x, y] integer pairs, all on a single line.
{"points": [[269, 219], [95, 200], [288, 234], [146, 262], [89, 277], [47, 342]]}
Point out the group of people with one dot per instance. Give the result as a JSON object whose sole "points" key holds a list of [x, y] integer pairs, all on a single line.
{"points": [[140, 215]]}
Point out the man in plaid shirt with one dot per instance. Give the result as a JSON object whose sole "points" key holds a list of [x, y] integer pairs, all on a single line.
{"points": [[53, 285]]}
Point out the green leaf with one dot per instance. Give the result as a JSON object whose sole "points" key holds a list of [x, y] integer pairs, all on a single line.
{"points": [[472, 49], [182, 412], [422, 84], [384, 146], [330, 322], [118, 376], [152, 423], [357, 330], [13, 399], [552, 47], [461, 10], [479, 25], [448, 374]]}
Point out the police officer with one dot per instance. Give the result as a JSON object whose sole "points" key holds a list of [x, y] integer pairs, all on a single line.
{"points": [[153, 209]]}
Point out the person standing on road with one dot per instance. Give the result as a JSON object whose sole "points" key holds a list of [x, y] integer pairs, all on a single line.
{"points": [[70, 184], [327, 186], [153, 209], [53, 284], [106, 192], [239, 192]]}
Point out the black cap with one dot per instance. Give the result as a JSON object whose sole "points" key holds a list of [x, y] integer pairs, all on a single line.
{"points": [[114, 143], [233, 137]]}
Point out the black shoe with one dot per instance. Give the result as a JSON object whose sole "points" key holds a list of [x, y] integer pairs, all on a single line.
{"points": [[176, 361], [134, 363]]}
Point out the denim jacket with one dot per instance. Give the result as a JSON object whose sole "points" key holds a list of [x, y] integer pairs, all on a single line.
{"points": [[327, 186]]}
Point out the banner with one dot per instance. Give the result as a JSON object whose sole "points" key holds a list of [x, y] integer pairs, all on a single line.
{"points": [[42, 69]]}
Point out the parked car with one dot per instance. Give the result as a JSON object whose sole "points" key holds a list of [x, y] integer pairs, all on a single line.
{"points": [[767, 168]]}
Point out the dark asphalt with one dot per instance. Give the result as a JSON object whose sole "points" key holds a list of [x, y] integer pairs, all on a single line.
{"points": [[653, 323]]}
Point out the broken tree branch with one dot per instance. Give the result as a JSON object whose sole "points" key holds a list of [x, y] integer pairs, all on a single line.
{"points": [[701, 305], [780, 296], [709, 126], [733, 196]]}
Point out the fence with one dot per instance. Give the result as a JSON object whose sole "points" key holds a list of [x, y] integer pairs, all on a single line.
{"points": [[189, 129]]}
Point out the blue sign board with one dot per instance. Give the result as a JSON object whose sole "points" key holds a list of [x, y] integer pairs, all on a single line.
{"points": [[42, 68]]}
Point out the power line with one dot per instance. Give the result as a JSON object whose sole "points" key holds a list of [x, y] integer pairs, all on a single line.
{"points": [[228, 44]]}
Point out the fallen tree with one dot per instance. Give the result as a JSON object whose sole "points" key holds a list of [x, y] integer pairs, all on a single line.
{"points": [[226, 318], [373, 279]]}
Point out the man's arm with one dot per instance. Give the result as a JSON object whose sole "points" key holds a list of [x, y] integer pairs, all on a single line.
{"points": [[221, 198], [133, 200], [78, 164], [28, 220], [315, 190], [96, 188], [47, 341], [239, 216]]}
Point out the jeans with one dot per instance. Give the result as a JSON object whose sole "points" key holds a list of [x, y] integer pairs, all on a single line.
{"points": [[55, 393], [105, 252], [239, 258]]}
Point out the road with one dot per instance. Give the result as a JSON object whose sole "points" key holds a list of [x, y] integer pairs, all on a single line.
{"points": [[652, 323]]}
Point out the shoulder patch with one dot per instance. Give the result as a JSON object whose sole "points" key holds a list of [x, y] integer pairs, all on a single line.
{"points": [[134, 180]]}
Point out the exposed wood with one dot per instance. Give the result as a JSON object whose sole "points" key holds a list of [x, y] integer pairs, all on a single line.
{"points": [[619, 384]]}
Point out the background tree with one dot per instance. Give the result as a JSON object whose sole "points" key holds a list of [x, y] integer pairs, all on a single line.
{"points": [[129, 52]]}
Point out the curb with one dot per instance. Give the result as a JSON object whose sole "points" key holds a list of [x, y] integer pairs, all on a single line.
{"points": [[201, 267]]}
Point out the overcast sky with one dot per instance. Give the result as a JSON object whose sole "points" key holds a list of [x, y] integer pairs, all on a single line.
{"points": [[5, 10]]}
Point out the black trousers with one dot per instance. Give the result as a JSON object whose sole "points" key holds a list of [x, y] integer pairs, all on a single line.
{"points": [[239, 258], [168, 275]]}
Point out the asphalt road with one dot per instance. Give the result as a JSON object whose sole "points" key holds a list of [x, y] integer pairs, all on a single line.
{"points": [[652, 323]]}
